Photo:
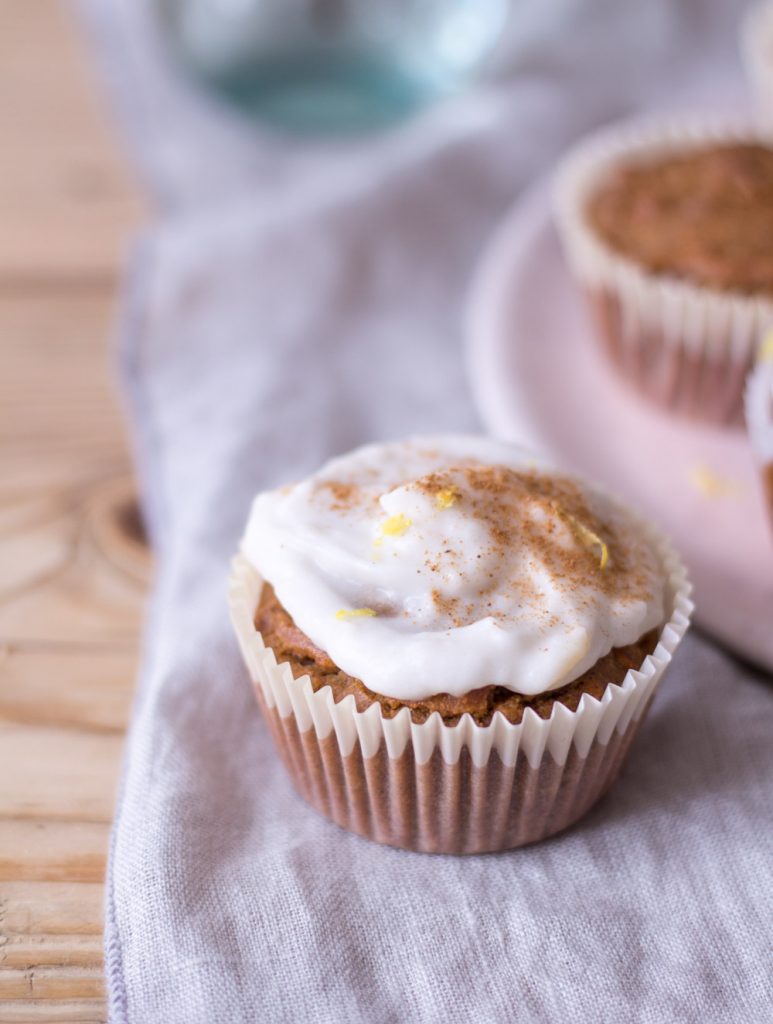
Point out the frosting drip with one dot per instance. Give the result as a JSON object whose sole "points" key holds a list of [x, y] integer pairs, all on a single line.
{"points": [[445, 564]]}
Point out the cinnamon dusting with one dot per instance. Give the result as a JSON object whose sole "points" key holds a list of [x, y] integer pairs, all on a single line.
{"points": [[545, 516], [344, 497], [519, 506]]}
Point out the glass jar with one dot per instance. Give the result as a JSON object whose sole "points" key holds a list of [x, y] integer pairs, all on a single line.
{"points": [[332, 65]]}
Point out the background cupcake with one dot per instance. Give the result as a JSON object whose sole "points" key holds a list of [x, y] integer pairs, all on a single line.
{"points": [[667, 227], [453, 648]]}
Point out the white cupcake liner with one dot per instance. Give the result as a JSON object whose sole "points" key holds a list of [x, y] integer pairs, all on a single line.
{"points": [[687, 347], [756, 38], [759, 424], [461, 788]]}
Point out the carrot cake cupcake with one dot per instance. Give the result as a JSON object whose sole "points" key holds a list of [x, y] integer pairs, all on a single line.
{"points": [[668, 228], [453, 644]]}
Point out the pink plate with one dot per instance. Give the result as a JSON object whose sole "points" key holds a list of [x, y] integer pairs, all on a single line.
{"points": [[539, 379]]}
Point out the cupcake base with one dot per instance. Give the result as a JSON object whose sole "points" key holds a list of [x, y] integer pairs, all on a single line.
{"points": [[673, 376], [437, 807]]}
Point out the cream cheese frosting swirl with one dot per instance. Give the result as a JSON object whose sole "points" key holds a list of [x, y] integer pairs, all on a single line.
{"points": [[443, 564]]}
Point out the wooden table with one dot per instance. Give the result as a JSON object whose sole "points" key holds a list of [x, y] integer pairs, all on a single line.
{"points": [[73, 568]]}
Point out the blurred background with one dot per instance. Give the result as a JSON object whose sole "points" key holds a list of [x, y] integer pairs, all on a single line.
{"points": [[193, 122]]}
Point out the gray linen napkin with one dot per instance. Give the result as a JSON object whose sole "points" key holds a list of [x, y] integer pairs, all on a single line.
{"points": [[260, 338]]}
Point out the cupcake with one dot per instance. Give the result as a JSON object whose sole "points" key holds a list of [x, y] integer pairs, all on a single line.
{"points": [[453, 645], [668, 230], [759, 418]]}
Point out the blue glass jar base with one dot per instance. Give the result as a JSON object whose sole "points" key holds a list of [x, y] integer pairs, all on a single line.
{"points": [[328, 95]]}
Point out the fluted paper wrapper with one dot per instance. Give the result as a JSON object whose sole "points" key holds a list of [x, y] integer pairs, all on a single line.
{"points": [[440, 788], [759, 423], [686, 347]]}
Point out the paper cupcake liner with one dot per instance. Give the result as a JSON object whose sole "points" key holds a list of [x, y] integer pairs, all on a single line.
{"points": [[460, 788], [756, 40], [686, 347], [759, 424]]}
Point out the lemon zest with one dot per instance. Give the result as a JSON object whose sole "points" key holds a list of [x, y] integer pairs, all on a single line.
{"points": [[395, 526], [345, 614], [588, 537], [591, 539], [765, 354], [446, 498], [712, 484]]}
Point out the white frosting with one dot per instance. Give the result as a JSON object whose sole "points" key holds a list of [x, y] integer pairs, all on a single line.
{"points": [[440, 603]]}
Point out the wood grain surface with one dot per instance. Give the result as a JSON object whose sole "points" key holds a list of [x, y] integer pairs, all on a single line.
{"points": [[73, 565]]}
